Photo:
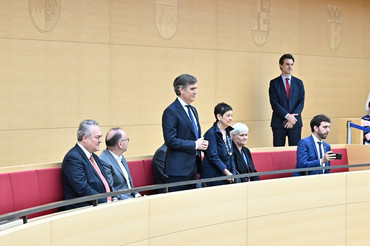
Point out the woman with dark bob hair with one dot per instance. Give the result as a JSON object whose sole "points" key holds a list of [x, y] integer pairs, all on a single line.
{"points": [[218, 158]]}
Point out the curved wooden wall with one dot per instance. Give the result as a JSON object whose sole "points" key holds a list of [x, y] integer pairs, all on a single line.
{"points": [[115, 61], [311, 210]]}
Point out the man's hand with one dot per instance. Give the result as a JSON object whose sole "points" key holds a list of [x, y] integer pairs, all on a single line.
{"points": [[291, 120], [228, 173], [328, 156], [202, 144]]}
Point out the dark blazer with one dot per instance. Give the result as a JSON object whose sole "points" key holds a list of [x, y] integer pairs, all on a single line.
{"points": [[179, 136], [115, 176], [279, 101], [240, 164], [216, 157], [158, 161], [367, 118], [80, 178], [307, 156]]}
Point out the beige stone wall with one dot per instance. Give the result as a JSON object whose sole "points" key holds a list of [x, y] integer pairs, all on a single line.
{"points": [[114, 61]]}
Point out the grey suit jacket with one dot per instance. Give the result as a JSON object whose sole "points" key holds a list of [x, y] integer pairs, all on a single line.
{"points": [[115, 176]]}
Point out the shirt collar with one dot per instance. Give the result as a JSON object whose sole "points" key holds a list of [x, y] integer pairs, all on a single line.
{"points": [[87, 153], [183, 103], [118, 158], [315, 139], [290, 78]]}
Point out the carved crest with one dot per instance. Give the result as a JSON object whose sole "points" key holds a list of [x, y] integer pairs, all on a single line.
{"points": [[166, 16], [44, 14], [260, 21], [334, 26]]}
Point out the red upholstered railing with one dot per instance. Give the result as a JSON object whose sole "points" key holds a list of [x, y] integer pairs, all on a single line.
{"points": [[25, 189], [287, 159]]}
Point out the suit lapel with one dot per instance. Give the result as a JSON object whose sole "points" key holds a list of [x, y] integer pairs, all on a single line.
{"points": [[87, 161], [282, 91], [293, 90], [313, 146], [184, 115], [114, 161], [125, 165]]}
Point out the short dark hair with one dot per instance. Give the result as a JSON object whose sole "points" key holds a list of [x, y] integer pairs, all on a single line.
{"points": [[221, 109], [316, 121], [183, 81], [285, 56], [113, 141]]}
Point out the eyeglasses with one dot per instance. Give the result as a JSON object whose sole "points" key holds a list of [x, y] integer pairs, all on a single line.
{"points": [[127, 139]]}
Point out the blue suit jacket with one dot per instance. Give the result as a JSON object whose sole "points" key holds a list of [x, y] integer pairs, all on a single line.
{"points": [[307, 156], [279, 101], [80, 178], [216, 157], [179, 136], [115, 176]]}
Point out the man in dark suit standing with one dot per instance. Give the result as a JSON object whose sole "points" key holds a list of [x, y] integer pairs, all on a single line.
{"points": [[82, 172], [313, 151], [182, 134], [287, 96]]}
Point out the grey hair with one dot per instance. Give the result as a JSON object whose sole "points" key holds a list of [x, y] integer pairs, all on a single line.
{"points": [[84, 128], [239, 128], [183, 81]]}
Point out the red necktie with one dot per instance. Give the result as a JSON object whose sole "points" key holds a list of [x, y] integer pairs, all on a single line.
{"points": [[287, 87], [101, 176]]}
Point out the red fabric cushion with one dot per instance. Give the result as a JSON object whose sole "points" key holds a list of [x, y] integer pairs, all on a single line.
{"points": [[137, 172], [6, 194], [344, 160], [26, 189], [51, 187], [281, 160], [263, 163], [142, 174], [148, 167]]}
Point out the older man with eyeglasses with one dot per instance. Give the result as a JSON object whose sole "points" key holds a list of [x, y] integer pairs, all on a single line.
{"points": [[115, 164]]}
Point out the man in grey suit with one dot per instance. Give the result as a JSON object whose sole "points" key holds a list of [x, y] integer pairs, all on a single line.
{"points": [[115, 165]]}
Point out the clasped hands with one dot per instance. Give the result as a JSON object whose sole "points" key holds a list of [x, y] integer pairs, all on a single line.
{"points": [[291, 120]]}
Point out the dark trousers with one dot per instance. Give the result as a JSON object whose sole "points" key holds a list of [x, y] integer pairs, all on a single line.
{"points": [[280, 134], [173, 179]]}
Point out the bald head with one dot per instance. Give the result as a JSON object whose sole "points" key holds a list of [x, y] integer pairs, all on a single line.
{"points": [[116, 140]]}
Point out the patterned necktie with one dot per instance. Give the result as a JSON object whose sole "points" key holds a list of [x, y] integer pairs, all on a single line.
{"points": [[287, 87], [193, 122], [97, 169]]}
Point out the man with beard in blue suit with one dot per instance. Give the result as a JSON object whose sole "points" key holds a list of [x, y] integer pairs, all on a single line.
{"points": [[182, 134], [312, 151], [287, 95]]}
